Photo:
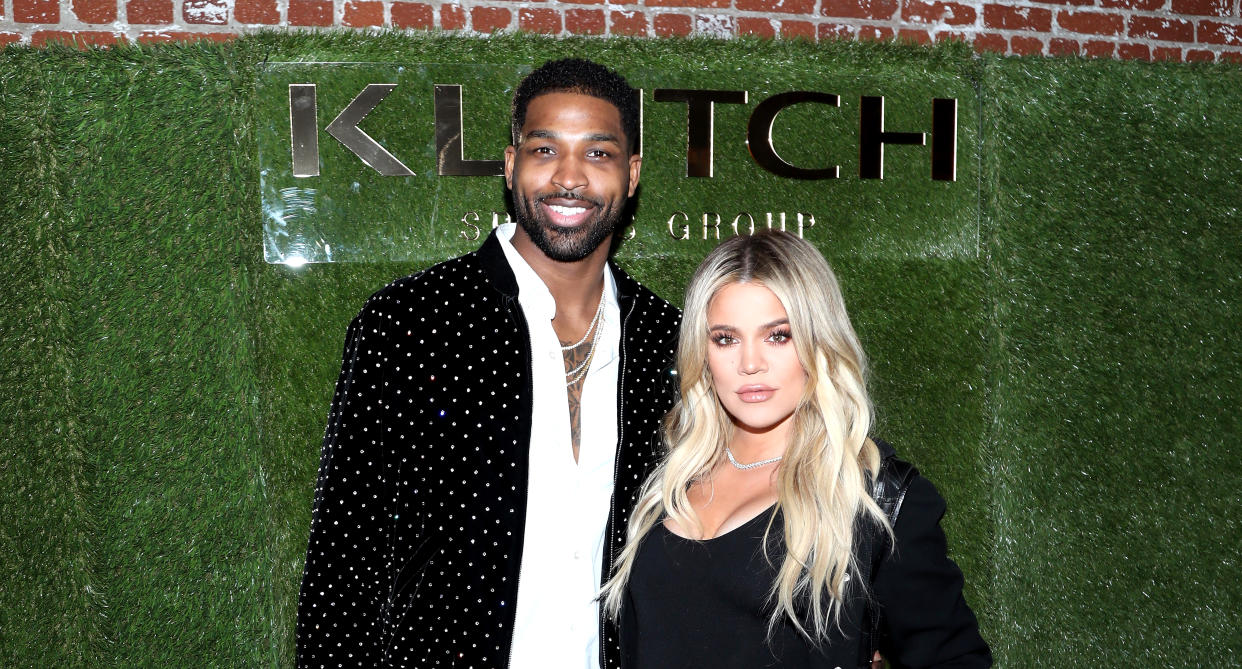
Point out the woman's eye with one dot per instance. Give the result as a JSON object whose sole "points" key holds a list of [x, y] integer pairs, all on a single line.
{"points": [[779, 337], [722, 340]]}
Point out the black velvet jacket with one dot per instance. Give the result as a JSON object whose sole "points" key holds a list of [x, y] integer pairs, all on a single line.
{"points": [[419, 510]]}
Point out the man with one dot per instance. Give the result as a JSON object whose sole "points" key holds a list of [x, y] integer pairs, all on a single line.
{"points": [[494, 417]]}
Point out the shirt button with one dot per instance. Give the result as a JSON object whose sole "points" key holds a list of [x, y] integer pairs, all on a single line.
{"points": [[577, 555]]}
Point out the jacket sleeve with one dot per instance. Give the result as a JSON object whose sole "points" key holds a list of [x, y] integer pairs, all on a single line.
{"points": [[342, 604], [926, 622]]}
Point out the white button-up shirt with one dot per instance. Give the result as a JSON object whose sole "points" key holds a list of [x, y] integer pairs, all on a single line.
{"points": [[567, 503]]}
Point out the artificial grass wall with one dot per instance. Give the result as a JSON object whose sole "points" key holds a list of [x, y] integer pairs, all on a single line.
{"points": [[1065, 375]]}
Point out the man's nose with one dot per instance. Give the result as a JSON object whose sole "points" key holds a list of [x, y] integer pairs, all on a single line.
{"points": [[569, 174]]}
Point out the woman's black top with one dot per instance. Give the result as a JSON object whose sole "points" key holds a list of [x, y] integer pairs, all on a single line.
{"points": [[707, 603]]}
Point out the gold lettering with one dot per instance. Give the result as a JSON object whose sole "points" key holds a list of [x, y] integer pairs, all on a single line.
{"points": [[810, 221], [496, 219], [768, 215], [473, 228], [685, 228], [738, 218], [715, 226]]}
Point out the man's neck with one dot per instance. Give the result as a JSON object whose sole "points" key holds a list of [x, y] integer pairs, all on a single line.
{"points": [[575, 286]]}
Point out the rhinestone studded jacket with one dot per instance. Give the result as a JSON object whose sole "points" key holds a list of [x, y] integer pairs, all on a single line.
{"points": [[417, 527]]}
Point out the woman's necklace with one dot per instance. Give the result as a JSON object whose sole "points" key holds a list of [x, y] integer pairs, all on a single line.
{"points": [[733, 461]]}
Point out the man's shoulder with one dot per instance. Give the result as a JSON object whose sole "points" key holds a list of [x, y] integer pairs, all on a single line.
{"points": [[648, 304], [460, 275], [457, 282]]}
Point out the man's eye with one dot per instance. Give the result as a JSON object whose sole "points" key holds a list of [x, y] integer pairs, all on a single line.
{"points": [[598, 153], [547, 150]]}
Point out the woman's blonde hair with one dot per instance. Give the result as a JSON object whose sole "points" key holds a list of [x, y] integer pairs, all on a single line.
{"points": [[823, 481]]}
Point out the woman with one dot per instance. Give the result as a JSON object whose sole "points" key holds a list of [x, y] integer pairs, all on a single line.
{"points": [[746, 541]]}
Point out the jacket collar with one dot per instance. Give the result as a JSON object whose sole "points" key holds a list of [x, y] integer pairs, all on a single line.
{"points": [[500, 274]]}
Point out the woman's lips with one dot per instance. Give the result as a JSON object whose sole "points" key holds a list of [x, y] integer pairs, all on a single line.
{"points": [[755, 393]]}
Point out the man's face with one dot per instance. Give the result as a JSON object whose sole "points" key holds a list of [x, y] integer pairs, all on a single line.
{"points": [[571, 174]]}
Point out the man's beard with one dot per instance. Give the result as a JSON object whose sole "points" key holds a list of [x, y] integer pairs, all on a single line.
{"points": [[567, 244]]}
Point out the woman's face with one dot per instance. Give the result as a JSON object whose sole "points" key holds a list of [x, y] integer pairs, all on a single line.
{"points": [[750, 353]]}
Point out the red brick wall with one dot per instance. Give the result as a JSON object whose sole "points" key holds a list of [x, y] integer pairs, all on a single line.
{"points": [[1186, 30]]}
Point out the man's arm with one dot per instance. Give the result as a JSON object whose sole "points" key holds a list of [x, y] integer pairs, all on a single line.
{"points": [[345, 584]]}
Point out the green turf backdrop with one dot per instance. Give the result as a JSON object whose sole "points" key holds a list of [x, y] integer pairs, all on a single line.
{"points": [[1062, 366]]}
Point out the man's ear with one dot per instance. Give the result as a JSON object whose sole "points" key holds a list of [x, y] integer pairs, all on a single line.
{"points": [[636, 166], [510, 156]]}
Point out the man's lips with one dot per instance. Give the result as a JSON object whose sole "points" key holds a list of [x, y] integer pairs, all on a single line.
{"points": [[755, 393], [567, 211]]}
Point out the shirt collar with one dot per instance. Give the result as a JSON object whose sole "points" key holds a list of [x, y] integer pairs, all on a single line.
{"points": [[533, 293]]}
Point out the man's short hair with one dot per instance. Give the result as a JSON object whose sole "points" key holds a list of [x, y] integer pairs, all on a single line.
{"points": [[576, 75]]}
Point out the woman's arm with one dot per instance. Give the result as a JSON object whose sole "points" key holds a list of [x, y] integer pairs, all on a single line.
{"points": [[926, 622]]}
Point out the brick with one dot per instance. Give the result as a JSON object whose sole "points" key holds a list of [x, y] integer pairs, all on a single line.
{"points": [[1167, 53], [1215, 32], [583, 2], [1059, 46], [363, 13], [36, 11], [262, 12], [715, 25], [585, 22], [952, 36], [1202, 8], [490, 19], [1142, 5], [205, 12], [878, 33], [149, 12], [95, 11], [412, 15], [916, 36], [1091, 23], [711, 4], [452, 17], [81, 38], [1134, 52], [776, 6], [672, 25], [9, 38], [829, 31], [632, 23], [310, 12], [991, 42], [545, 21], [758, 27], [1199, 56], [860, 9], [1098, 49], [1225, 56], [791, 29], [1168, 30], [1004, 17], [949, 13], [158, 37], [1026, 46]]}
